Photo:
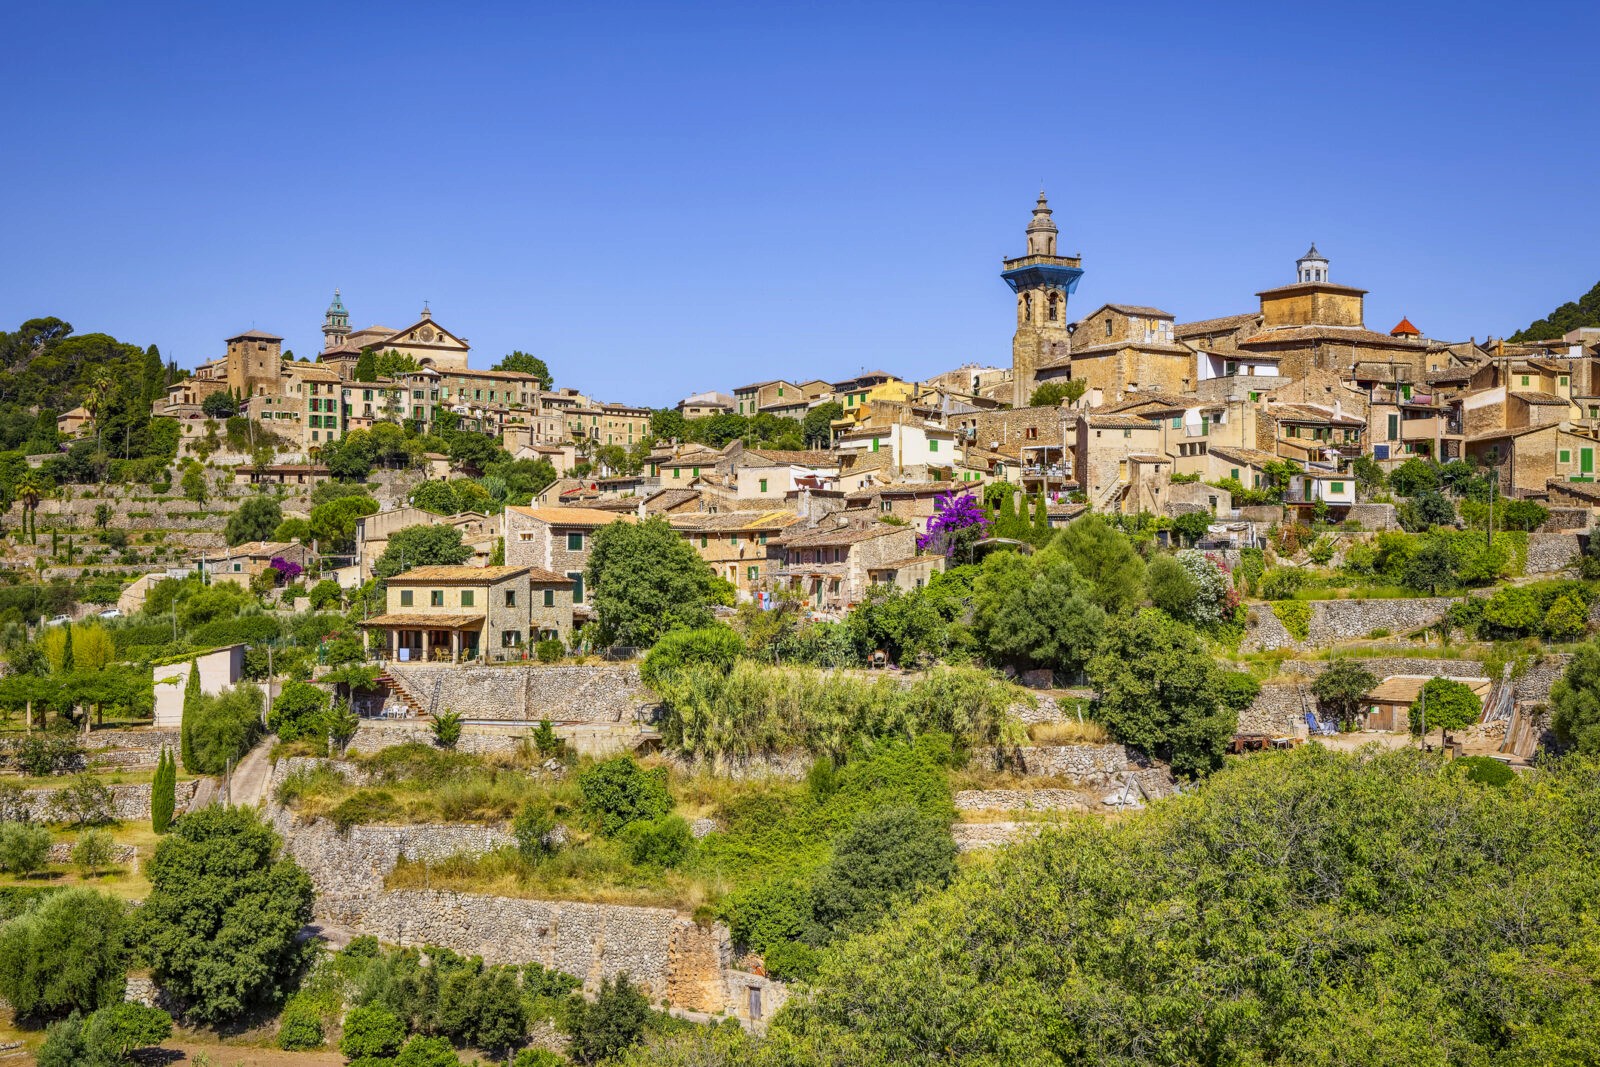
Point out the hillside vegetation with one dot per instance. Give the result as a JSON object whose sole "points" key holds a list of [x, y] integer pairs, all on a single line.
{"points": [[1585, 311]]}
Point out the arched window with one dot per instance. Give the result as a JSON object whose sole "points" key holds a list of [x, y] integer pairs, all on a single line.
{"points": [[1027, 306], [1054, 309]]}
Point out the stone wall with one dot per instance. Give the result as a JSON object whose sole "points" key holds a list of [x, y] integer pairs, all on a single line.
{"points": [[1022, 800], [1384, 666], [975, 835], [1376, 517], [1278, 710], [129, 803], [1344, 620], [1567, 518], [1552, 553], [608, 692], [374, 735], [1095, 767], [1532, 686], [130, 748]]}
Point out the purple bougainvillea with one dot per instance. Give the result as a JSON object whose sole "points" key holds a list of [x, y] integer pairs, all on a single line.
{"points": [[287, 570], [957, 523]]}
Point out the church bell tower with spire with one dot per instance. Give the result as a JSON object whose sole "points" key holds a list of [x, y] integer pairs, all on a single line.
{"points": [[335, 324], [1042, 281]]}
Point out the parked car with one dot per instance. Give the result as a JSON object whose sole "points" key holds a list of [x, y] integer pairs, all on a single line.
{"points": [[59, 619], [111, 613]]}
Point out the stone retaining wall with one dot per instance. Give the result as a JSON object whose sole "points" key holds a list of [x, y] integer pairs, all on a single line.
{"points": [[61, 852], [129, 803], [1278, 710], [1377, 517], [375, 735], [1344, 620], [610, 692], [130, 748], [971, 836], [1095, 767], [1552, 553], [1563, 519], [1022, 800]]}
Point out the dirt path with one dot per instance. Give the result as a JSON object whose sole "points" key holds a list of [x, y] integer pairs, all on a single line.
{"points": [[248, 785]]}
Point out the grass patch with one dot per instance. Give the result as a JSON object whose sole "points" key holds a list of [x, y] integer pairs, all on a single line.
{"points": [[1069, 732]]}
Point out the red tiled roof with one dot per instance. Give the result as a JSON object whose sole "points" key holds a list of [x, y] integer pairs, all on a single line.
{"points": [[1403, 328]]}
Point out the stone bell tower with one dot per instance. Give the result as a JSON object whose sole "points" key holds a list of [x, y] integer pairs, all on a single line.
{"points": [[1042, 281], [335, 324]]}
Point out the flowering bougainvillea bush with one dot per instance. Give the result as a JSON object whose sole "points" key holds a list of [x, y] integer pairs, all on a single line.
{"points": [[958, 523]]}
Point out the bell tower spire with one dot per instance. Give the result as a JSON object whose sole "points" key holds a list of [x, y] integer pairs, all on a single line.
{"points": [[335, 324], [1042, 281]]}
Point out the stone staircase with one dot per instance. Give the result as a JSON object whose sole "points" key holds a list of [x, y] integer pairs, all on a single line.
{"points": [[404, 695]]}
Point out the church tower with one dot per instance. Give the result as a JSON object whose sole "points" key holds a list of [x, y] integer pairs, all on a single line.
{"points": [[335, 324], [1042, 281]]}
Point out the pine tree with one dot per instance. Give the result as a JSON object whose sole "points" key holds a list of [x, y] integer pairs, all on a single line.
{"points": [[1006, 524], [1041, 522], [191, 707], [163, 792], [366, 366]]}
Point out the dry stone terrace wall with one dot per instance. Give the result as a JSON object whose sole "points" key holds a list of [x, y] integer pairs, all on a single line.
{"points": [[1344, 620], [1552, 553], [129, 803], [130, 748], [1095, 767], [1278, 710], [609, 692]]}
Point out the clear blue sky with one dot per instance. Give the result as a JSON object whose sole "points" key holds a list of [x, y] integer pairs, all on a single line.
{"points": [[662, 198]]}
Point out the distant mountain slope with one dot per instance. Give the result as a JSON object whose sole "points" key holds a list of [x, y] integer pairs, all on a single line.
{"points": [[1569, 316]]}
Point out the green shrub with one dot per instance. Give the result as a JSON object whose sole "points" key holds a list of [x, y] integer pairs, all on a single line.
{"points": [[1486, 770], [546, 741], [423, 1051], [1295, 616], [1281, 583], [92, 853], [609, 1025], [371, 1031], [300, 1026], [663, 842], [885, 854], [68, 954], [790, 961], [532, 828], [447, 728], [298, 711], [24, 848], [549, 650], [718, 647], [366, 806], [618, 791]]}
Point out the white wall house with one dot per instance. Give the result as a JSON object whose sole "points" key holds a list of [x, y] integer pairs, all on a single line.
{"points": [[219, 669]]}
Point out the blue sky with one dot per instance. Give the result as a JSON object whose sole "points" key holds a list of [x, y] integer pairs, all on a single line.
{"points": [[660, 198]]}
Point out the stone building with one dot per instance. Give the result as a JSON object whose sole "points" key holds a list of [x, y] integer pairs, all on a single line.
{"points": [[1117, 458], [770, 473], [555, 539], [1043, 282], [243, 562], [1121, 350], [478, 531], [832, 565], [740, 546], [457, 613], [425, 341]]}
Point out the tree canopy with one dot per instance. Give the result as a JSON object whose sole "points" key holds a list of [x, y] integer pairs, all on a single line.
{"points": [[421, 546], [1100, 553], [644, 580], [1574, 314], [523, 363]]}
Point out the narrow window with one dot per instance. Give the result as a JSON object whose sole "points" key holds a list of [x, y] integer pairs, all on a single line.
{"points": [[466, 598], [405, 598], [436, 598], [511, 598], [549, 598], [577, 586], [574, 542]]}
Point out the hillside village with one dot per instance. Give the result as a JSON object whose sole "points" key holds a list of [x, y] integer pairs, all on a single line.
{"points": [[377, 708]]}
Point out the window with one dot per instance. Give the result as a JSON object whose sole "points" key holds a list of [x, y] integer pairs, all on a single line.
{"points": [[1127, 433], [466, 598], [1177, 422], [1108, 326], [436, 598], [763, 485], [695, 472], [405, 598], [510, 638], [1561, 380], [577, 586], [875, 444], [933, 446], [1336, 487], [1524, 379], [1233, 472], [752, 573], [575, 542], [1565, 456], [366, 394], [677, 472], [761, 539], [511, 598], [885, 506], [733, 539], [549, 598]]}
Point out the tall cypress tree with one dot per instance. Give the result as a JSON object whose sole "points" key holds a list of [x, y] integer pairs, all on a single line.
{"points": [[68, 661], [1006, 524], [163, 792], [191, 707], [1041, 522]]}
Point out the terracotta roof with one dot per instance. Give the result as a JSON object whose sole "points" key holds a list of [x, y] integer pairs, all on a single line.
{"points": [[775, 519], [1546, 399], [1491, 435], [560, 516], [1121, 421], [474, 575], [540, 576], [912, 489], [1149, 457], [1405, 688], [1250, 457], [254, 335], [1226, 322], [1308, 413], [760, 385], [1449, 374], [841, 535], [907, 562], [1135, 309], [1283, 290], [809, 458], [440, 621], [252, 548], [312, 370], [1404, 328], [1336, 334]]}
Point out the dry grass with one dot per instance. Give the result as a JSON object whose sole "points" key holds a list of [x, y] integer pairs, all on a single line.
{"points": [[591, 872], [1069, 732]]}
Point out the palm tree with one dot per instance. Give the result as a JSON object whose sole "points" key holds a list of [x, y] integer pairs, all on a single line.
{"points": [[31, 488], [95, 402]]}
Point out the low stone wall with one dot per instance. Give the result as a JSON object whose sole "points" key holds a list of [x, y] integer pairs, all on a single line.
{"points": [[1097, 768], [375, 735], [610, 692], [675, 958], [1552, 553], [1384, 666], [1022, 800], [1278, 710], [1344, 620], [358, 860], [1562, 519], [130, 748], [789, 766], [1532, 686], [1376, 517], [129, 803], [971, 836], [61, 852]]}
